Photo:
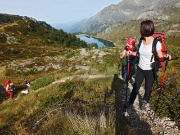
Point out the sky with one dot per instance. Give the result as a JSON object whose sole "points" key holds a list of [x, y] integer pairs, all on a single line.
{"points": [[55, 11]]}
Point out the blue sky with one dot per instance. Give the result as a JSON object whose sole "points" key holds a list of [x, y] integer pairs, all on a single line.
{"points": [[55, 11]]}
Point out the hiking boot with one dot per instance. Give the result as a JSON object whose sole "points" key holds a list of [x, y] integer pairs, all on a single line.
{"points": [[144, 105]]}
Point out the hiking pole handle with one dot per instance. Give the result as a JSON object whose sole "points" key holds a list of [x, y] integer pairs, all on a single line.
{"points": [[129, 53]]}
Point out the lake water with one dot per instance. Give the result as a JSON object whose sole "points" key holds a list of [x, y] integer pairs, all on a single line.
{"points": [[100, 42]]}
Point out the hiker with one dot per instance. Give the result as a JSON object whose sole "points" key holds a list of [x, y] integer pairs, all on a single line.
{"points": [[144, 69], [27, 83], [9, 87], [130, 46]]}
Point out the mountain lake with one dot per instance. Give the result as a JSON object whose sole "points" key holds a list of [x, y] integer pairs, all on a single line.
{"points": [[100, 42]]}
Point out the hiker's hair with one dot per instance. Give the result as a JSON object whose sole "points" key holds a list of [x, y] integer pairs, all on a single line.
{"points": [[147, 28]]}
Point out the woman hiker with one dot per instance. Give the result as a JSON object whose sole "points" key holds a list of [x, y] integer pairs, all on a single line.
{"points": [[144, 69]]}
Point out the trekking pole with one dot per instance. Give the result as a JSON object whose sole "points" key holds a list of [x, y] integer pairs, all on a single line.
{"points": [[161, 87], [175, 58], [127, 80]]}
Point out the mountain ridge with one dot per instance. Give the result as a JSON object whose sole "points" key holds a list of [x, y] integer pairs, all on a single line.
{"points": [[23, 38], [128, 10]]}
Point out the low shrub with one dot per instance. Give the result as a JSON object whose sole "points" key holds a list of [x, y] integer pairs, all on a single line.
{"points": [[42, 83]]}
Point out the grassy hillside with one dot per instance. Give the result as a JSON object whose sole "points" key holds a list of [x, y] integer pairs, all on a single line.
{"points": [[74, 89], [119, 32], [170, 94], [45, 56], [30, 44], [27, 38]]}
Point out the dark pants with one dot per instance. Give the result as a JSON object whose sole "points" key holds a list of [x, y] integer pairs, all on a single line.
{"points": [[125, 66], [149, 77]]}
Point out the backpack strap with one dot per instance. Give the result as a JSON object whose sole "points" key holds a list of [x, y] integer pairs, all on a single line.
{"points": [[154, 51], [137, 54], [155, 56], [139, 45]]}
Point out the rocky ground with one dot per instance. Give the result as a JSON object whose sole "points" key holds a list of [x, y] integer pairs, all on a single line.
{"points": [[145, 122]]}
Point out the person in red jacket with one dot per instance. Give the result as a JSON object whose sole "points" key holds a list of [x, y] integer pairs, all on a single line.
{"points": [[130, 46], [9, 87]]}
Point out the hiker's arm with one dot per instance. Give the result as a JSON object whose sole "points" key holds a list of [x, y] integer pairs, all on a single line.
{"points": [[123, 54], [7, 87], [163, 57], [131, 53]]}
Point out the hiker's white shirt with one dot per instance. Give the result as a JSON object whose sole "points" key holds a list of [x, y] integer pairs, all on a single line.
{"points": [[145, 52]]}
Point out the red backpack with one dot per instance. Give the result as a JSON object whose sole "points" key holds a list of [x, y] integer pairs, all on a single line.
{"points": [[161, 37]]}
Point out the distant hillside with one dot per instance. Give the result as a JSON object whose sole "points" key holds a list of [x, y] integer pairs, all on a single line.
{"points": [[24, 37], [127, 10]]}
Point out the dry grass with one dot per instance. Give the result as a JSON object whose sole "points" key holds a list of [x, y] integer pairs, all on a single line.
{"points": [[86, 125]]}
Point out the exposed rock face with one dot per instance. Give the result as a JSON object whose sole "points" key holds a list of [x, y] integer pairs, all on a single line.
{"points": [[130, 10]]}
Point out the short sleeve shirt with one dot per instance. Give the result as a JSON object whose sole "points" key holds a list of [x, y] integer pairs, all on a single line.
{"points": [[145, 52]]}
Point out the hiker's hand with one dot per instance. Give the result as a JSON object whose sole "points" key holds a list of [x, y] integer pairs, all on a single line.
{"points": [[129, 52], [167, 56]]}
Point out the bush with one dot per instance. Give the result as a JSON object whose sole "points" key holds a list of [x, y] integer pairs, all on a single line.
{"points": [[42, 82]]}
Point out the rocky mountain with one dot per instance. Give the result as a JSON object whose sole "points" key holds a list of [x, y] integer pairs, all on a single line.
{"points": [[128, 10]]}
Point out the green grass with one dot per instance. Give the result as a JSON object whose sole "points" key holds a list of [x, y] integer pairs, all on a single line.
{"points": [[42, 83], [45, 105]]}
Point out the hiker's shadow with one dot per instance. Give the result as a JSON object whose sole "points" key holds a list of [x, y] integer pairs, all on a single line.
{"points": [[133, 124]]}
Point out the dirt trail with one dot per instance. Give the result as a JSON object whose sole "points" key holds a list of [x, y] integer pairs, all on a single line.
{"points": [[80, 76], [74, 76]]}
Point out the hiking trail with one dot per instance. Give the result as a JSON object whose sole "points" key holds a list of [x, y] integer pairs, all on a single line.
{"points": [[138, 120], [158, 126]]}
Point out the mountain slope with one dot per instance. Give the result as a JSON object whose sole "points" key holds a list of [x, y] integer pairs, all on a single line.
{"points": [[64, 97], [24, 37], [131, 10]]}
